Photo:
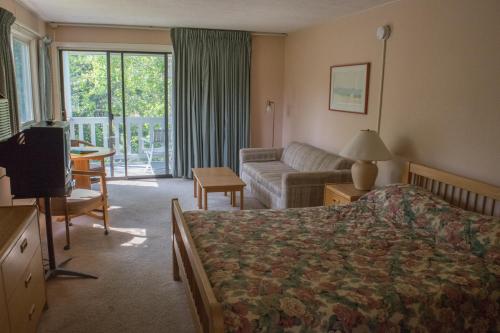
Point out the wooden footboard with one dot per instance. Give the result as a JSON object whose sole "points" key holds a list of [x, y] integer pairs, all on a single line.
{"points": [[206, 311]]}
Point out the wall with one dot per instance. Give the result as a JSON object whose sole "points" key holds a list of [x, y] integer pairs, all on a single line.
{"points": [[266, 83], [441, 94], [24, 16], [110, 35], [266, 70]]}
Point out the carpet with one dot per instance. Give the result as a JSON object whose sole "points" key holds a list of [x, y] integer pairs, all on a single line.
{"points": [[135, 291]]}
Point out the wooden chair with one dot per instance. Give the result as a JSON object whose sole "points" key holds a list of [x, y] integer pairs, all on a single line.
{"points": [[81, 143], [78, 143], [82, 202]]}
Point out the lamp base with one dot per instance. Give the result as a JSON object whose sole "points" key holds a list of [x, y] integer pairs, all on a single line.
{"points": [[364, 174]]}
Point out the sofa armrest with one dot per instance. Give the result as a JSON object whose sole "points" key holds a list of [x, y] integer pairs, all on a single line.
{"points": [[260, 154], [306, 189]]}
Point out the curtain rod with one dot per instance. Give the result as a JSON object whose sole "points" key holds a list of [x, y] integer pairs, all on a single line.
{"points": [[142, 27]]}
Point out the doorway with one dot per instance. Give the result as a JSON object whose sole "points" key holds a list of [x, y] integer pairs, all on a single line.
{"points": [[121, 100]]}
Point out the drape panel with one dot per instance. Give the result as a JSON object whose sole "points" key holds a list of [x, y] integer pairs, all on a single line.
{"points": [[7, 79], [211, 98], [45, 78]]}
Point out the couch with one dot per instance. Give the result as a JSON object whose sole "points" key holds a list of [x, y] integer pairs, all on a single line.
{"points": [[293, 176]]}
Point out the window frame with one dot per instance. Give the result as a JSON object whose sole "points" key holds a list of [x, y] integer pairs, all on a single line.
{"points": [[31, 39]]}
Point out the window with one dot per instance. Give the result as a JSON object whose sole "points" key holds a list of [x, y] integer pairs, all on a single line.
{"points": [[24, 83]]}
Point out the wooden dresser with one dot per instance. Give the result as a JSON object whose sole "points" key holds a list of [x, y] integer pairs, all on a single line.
{"points": [[22, 282]]}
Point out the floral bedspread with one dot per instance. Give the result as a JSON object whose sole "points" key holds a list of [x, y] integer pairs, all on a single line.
{"points": [[397, 260]]}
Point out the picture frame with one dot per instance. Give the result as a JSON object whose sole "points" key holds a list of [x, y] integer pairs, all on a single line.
{"points": [[349, 87]]}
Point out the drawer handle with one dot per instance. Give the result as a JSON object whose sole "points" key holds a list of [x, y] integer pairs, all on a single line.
{"points": [[32, 311], [24, 245], [27, 280]]}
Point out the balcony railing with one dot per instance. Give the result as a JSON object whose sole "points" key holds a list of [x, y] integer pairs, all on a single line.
{"points": [[139, 133]]}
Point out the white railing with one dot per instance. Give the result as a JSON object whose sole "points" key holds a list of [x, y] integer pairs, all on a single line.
{"points": [[81, 125]]}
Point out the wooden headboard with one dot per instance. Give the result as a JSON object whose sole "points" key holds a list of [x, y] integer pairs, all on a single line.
{"points": [[459, 191]]}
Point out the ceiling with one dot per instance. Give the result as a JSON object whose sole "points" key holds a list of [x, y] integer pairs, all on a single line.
{"points": [[252, 15]]}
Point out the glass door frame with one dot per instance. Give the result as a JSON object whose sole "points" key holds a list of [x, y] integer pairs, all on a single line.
{"points": [[166, 54]]}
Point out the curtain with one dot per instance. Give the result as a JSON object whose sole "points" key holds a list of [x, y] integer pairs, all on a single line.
{"points": [[211, 98], [7, 79], [45, 78]]}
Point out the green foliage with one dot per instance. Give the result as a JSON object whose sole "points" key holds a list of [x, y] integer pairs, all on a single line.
{"points": [[144, 84], [144, 87], [88, 85]]}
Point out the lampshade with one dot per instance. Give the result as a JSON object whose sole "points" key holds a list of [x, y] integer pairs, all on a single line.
{"points": [[366, 146]]}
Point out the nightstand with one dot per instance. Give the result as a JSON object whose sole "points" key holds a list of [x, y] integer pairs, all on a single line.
{"points": [[340, 194]]}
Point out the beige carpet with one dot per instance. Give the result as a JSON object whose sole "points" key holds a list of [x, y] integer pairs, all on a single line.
{"points": [[135, 291]]}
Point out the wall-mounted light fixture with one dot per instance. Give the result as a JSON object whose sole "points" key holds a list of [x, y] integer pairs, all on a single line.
{"points": [[383, 33], [271, 108]]}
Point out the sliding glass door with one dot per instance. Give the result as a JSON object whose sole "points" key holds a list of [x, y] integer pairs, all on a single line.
{"points": [[121, 100]]}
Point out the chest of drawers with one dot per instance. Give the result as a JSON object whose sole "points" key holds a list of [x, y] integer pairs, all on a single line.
{"points": [[22, 283]]}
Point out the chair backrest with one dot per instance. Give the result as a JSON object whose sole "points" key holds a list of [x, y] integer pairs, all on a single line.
{"points": [[159, 135], [304, 157], [78, 143]]}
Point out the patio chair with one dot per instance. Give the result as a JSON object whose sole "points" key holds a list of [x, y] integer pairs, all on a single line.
{"points": [[155, 146]]}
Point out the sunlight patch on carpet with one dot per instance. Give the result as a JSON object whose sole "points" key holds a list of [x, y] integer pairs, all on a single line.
{"points": [[140, 232], [139, 183]]}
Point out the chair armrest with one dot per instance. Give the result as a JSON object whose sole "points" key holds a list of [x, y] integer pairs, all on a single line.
{"points": [[306, 189], [145, 140]]}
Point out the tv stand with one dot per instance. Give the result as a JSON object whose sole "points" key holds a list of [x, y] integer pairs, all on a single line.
{"points": [[54, 269]]}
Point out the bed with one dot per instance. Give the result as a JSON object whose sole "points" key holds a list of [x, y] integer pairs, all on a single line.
{"points": [[419, 256]]}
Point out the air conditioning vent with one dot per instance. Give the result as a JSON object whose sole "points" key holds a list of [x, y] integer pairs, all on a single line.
{"points": [[5, 129]]}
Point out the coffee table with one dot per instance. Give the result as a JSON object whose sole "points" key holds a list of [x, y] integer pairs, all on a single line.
{"points": [[223, 179]]}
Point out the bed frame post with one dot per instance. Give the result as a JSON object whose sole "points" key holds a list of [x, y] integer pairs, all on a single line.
{"points": [[177, 277], [406, 179]]}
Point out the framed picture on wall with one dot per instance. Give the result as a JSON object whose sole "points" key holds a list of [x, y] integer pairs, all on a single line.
{"points": [[349, 88]]}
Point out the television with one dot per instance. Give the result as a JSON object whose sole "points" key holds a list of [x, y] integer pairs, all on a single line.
{"points": [[38, 161]]}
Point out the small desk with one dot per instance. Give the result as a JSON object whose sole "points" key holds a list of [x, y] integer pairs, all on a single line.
{"points": [[339, 194], [217, 180], [82, 161]]}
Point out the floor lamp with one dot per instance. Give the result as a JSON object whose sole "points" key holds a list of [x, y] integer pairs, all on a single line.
{"points": [[271, 108]]}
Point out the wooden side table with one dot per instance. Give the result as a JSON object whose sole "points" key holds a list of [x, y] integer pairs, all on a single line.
{"points": [[340, 194]]}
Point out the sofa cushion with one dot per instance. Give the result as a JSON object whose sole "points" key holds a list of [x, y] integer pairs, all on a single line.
{"points": [[303, 157], [268, 174]]}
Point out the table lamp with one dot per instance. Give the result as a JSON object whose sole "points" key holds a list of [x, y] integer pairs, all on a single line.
{"points": [[365, 148]]}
